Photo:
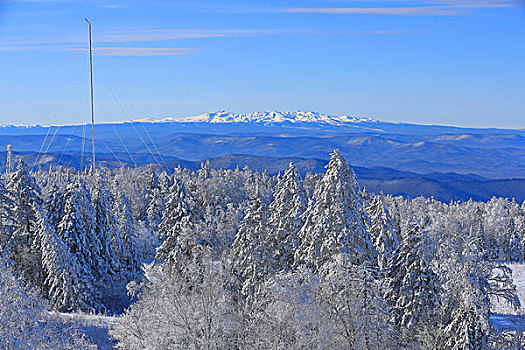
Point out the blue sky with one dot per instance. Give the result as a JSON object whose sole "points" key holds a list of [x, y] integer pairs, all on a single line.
{"points": [[454, 62]]}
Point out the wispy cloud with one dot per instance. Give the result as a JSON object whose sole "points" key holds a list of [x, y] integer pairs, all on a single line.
{"points": [[405, 11], [104, 51], [172, 34], [138, 38], [158, 35], [143, 51], [424, 8], [113, 6]]}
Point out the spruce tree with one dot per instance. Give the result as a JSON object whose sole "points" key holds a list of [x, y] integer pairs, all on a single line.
{"points": [[54, 206], [68, 285], [515, 243], [383, 230], [480, 238], [24, 244], [205, 171], [155, 207], [286, 219], [467, 297], [466, 331], [176, 228], [127, 253], [414, 287], [336, 221], [77, 230], [107, 232], [251, 260], [6, 216]]}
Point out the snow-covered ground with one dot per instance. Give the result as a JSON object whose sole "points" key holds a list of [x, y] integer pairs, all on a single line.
{"points": [[502, 307], [95, 327], [504, 315]]}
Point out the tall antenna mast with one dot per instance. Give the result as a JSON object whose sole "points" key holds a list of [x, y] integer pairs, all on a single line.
{"points": [[92, 106]]}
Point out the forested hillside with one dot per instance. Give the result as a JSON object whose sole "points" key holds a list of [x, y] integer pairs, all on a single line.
{"points": [[238, 259]]}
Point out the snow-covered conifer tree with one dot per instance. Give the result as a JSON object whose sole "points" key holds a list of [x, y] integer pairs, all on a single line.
{"points": [[176, 228], [383, 230], [23, 243], [205, 171], [155, 208], [414, 287], [77, 230], [68, 285], [6, 215], [515, 242], [336, 221], [250, 257], [152, 180], [480, 238], [286, 219], [54, 206], [466, 296], [107, 231], [127, 253], [26, 322]]}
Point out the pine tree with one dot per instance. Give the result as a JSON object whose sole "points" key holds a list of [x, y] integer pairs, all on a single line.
{"points": [[155, 207], [152, 180], [205, 171], [127, 253], [515, 244], [176, 228], [414, 286], [466, 331], [77, 230], [68, 285], [383, 230], [480, 238], [6, 215], [54, 206], [467, 296], [107, 232], [336, 221], [24, 243], [153, 196], [250, 257], [286, 219]]}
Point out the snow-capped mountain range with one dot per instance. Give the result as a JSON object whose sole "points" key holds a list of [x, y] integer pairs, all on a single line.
{"points": [[272, 117], [366, 142], [297, 120]]}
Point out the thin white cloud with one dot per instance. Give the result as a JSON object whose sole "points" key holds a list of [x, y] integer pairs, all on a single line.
{"points": [[170, 35], [158, 35], [21, 44], [103, 51], [113, 6], [21, 48], [143, 51], [405, 11], [431, 8]]}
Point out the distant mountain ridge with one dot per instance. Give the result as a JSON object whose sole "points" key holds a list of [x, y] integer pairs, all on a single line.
{"points": [[445, 187], [296, 122], [273, 117], [365, 142]]}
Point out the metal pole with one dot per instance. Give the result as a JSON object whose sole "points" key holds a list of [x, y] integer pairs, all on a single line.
{"points": [[92, 106]]}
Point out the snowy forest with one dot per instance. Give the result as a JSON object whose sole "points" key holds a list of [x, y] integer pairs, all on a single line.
{"points": [[237, 259]]}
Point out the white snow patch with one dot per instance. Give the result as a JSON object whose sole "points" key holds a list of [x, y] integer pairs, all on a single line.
{"points": [[95, 327], [503, 307]]}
